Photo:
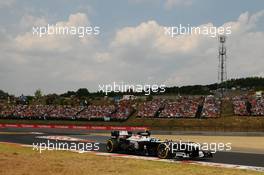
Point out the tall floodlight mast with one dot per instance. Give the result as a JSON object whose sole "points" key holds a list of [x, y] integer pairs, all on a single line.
{"points": [[222, 75]]}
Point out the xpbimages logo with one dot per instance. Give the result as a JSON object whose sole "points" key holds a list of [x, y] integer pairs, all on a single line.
{"points": [[79, 31], [191, 146], [147, 89], [65, 146], [211, 31]]}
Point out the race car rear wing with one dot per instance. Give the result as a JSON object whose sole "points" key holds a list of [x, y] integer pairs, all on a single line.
{"points": [[128, 133], [121, 133]]}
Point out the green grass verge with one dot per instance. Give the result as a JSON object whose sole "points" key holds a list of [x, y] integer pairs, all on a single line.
{"points": [[233, 123]]}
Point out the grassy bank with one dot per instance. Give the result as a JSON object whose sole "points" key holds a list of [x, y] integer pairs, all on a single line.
{"points": [[18, 160]]}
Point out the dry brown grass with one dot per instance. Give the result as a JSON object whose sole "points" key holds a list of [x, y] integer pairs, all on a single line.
{"points": [[16, 160]]}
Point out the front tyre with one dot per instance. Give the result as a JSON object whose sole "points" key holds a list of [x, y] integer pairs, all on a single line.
{"points": [[111, 145]]}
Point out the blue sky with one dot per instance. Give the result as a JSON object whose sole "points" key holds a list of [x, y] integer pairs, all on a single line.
{"points": [[114, 14], [129, 41]]}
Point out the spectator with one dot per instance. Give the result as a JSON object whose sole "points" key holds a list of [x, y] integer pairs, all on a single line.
{"points": [[211, 107]]}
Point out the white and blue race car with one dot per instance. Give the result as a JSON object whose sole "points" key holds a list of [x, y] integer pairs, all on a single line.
{"points": [[141, 143]]}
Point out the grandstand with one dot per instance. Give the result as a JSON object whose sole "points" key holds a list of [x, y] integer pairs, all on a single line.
{"points": [[248, 105], [150, 108], [181, 107], [120, 111], [211, 107], [94, 112]]}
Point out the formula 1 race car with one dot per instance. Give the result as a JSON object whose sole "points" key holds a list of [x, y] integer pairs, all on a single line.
{"points": [[142, 144]]}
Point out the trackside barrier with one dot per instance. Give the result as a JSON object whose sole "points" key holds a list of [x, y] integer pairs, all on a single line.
{"points": [[82, 127]]}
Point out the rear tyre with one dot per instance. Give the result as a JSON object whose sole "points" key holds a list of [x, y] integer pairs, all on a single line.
{"points": [[111, 145]]}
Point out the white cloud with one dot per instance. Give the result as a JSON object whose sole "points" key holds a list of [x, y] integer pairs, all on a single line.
{"points": [[60, 43], [135, 54], [151, 34], [52, 61], [191, 59]]}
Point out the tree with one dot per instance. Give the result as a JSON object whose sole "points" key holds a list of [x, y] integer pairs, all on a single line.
{"points": [[82, 92], [68, 94], [3, 95], [149, 98], [38, 94], [51, 99]]}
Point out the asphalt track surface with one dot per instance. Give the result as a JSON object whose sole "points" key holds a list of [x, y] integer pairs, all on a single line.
{"points": [[24, 136]]}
